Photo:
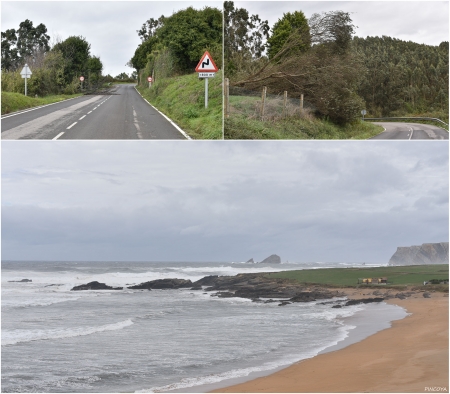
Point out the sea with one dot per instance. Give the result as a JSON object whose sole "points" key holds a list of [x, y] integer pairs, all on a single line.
{"points": [[58, 340]]}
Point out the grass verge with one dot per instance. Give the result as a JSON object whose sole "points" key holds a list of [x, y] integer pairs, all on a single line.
{"points": [[240, 127], [412, 275], [183, 100], [12, 102]]}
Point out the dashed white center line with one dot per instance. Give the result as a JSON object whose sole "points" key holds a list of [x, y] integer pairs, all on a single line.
{"points": [[82, 117], [73, 124], [59, 135], [89, 112]]}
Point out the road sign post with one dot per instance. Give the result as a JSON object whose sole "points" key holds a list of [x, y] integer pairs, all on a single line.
{"points": [[363, 112], [206, 68], [26, 73], [150, 80], [81, 79]]}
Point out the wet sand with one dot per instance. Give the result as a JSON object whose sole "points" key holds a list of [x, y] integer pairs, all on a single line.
{"points": [[411, 356]]}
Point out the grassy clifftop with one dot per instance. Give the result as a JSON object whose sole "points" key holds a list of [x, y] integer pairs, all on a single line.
{"points": [[413, 275], [183, 100]]}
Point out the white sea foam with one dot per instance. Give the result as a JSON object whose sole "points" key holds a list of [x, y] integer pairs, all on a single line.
{"points": [[17, 336]]}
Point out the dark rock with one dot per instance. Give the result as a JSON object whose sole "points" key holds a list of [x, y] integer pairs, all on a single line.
{"points": [[206, 281], [20, 281], [427, 295], [223, 294], [250, 261], [284, 303], [164, 284], [95, 286], [337, 306], [272, 259], [363, 301], [56, 284], [197, 288]]}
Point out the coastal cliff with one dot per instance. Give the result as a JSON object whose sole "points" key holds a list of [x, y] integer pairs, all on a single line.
{"points": [[433, 253]]}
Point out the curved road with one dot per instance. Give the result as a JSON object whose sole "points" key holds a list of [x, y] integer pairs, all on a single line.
{"points": [[410, 131], [120, 114]]}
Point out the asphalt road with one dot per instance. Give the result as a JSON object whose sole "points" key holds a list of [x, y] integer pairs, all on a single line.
{"points": [[120, 114], [410, 131]]}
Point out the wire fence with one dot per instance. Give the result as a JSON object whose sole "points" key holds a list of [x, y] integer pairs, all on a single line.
{"points": [[262, 105]]}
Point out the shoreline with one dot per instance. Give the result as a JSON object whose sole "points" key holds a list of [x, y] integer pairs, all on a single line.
{"points": [[410, 356], [364, 323]]}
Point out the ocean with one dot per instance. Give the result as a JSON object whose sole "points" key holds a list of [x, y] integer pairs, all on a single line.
{"points": [[57, 340]]}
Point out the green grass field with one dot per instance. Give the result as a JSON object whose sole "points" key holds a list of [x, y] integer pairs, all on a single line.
{"points": [[12, 102], [413, 275], [183, 100]]}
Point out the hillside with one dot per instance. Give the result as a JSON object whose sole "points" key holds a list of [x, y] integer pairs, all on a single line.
{"points": [[182, 99]]}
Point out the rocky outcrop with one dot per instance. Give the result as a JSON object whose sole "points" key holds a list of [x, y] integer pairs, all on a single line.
{"points": [[163, 284], [273, 259], [258, 286], [363, 301], [250, 261], [20, 281], [95, 286], [432, 253]]}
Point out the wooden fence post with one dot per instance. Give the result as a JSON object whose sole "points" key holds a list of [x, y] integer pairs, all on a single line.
{"points": [[284, 103], [227, 97], [263, 103]]}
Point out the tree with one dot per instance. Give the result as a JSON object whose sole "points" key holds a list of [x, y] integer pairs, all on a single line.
{"points": [[328, 73], [149, 28], [75, 51], [334, 28], [244, 38], [283, 29], [139, 59], [31, 39], [10, 55], [26, 44], [122, 76], [188, 33], [94, 68]]}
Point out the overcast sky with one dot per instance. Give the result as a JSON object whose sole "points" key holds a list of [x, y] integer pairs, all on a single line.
{"points": [[110, 26], [424, 22], [222, 201]]}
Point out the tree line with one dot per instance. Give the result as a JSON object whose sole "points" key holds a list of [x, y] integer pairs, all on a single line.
{"points": [[174, 45], [339, 74], [56, 68]]}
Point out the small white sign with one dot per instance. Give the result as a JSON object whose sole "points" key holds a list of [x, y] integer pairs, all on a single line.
{"points": [[26, 72], [150, 79], [363, 112], [206, 75], [81, 79]]}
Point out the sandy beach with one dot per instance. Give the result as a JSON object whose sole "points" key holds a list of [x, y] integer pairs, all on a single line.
{"points": [[412, 356]]}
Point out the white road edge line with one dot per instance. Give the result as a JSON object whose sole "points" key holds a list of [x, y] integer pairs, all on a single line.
{"points": [[59, 135], [32, 109], [73, 124], [170, 120], [82, 117]]}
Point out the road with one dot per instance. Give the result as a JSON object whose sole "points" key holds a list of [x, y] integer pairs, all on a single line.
{"points": [[410, 131], [120, 114]]}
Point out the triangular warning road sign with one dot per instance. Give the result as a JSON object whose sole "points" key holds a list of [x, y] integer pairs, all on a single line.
{"points": [[206, 64]]}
